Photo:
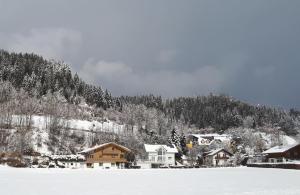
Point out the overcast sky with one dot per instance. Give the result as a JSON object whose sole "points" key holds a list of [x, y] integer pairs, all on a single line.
{"points": [[246, 49]]}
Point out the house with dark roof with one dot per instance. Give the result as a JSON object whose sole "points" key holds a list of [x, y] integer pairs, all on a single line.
{"points": [[279, 154], [217, 157], [106, 156]]}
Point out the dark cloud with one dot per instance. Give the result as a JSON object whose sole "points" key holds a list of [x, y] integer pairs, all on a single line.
{"points": [[248, 50]]}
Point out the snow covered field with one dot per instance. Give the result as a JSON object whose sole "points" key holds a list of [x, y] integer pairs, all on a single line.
{"points": [[215, 181]]}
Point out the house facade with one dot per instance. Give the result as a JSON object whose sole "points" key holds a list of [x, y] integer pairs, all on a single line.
{"points": [[106, 156], [158, 156], [218, 157], [279, 154]]}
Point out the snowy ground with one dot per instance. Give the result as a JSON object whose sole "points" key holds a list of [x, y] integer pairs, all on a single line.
{"points": [[218, 181]]}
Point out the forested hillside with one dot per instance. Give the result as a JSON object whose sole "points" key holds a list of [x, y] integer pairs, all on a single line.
{"points": [[32, 87], [220, 112], [38, 76]]}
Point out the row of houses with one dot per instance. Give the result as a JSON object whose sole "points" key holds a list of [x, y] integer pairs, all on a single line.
{"points": [[114, 156], [282, 156]]}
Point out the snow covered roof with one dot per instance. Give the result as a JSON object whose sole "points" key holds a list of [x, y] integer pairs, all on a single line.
{"points": [[72, 157], [207, 139], [102, 145], [279, 149], [213, 152], [155, 148]]}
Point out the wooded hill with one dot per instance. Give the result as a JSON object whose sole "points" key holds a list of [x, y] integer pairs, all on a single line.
{"points": [[37, 76]]}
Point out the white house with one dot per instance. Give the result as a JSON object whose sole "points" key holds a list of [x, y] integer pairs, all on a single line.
{"points": [[158, 156], [218, 157], [208, 139]]}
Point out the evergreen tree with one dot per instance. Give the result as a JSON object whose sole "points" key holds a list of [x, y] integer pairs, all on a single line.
{"points": [[174, 138]]}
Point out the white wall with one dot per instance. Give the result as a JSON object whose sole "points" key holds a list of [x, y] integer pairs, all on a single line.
{"points": [[169, 158], [109, 165]]}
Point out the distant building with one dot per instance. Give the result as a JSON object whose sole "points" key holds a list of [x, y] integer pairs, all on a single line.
{"points": [[106, 156], [279, 154], [218, 157], [208, 139], [69, 161], [158, 156]]}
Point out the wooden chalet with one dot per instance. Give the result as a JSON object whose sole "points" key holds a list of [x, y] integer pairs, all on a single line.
{"points": [[218, 157], [280, 154], [106, 156]]}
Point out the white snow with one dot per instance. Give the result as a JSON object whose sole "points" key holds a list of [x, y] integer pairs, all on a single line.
{"points": [[41, 122], [279, 149], [40, 134], [289, 140], [214, 181]]}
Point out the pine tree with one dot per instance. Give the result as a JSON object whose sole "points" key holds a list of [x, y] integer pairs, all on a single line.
{"points": [[174, 139]]}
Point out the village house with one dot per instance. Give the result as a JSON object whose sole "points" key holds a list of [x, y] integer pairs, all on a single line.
{"points": [[106, 156], [279, 154], [218, 157], [208, 139], [158, 156], [69, 161]]}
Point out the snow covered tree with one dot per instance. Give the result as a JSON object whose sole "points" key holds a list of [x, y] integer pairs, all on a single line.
{"points": [[175, 138]]}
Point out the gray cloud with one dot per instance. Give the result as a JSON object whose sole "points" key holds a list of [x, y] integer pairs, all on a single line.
{"points": [[248, 50], [52, 43], [123, 79]]}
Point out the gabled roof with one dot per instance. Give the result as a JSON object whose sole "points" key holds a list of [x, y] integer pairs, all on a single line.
{"points": [[279, 149], [155, 148], [102, 146], [213, 152]]}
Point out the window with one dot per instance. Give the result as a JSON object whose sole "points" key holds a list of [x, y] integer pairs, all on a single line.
{"points": [[89, 165], [121, 155], [152, 158], [113, 164], [161, 151], [100, 164], [170, 158], [279, 160], [113, 148]]}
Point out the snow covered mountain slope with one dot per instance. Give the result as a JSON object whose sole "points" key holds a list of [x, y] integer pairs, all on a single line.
{"points": [[40, 133]]}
